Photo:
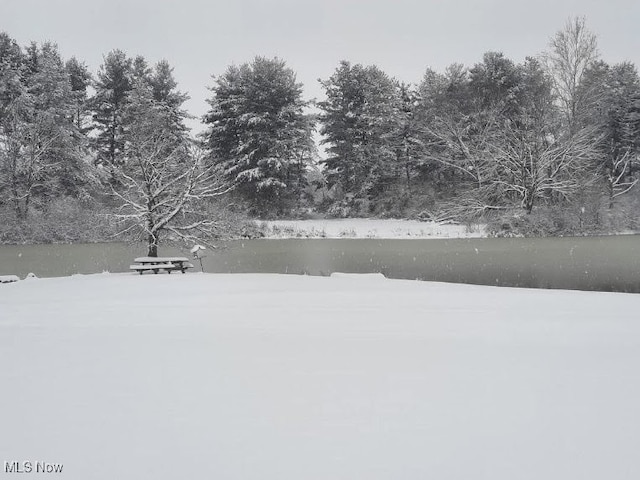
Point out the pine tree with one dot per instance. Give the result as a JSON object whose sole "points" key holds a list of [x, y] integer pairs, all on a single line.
{"points": [[140, 70], [359, 120], [80, 79], [454, 127], [164, 91], [13, 94], [495, 85], [408, 139], [613, 112], [259, 133], [113, 83]]}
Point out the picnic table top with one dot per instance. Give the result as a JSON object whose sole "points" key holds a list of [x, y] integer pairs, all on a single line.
{"points": [[160, 259]]}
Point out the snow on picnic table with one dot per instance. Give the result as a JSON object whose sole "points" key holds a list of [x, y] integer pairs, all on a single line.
{"points": [[293, 377], [369, 228]]}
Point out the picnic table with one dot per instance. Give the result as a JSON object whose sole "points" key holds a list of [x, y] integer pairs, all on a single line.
{"points": [[155, 264]]}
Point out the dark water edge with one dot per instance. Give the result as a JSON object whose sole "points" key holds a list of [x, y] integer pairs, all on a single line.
{"points": [[607, 263]]}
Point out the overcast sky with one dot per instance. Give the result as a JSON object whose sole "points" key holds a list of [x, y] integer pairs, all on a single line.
{"points": [[201, 38]]}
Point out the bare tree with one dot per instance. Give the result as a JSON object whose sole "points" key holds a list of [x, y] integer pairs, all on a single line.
{"points": [[166, 180], [466, 145], [618, 174], [572, 50], [36, 133], [164, 198], [25, 161], [533, 167]]}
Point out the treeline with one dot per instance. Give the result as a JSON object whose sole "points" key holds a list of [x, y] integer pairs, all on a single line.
{"points": [[551, 144], [94, 158], [560, 131]]}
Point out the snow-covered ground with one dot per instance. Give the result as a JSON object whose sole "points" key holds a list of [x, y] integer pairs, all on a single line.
{"points": [[369, 228], [121, 376]]}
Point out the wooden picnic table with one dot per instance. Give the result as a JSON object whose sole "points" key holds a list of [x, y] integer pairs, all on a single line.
{"points": [[155, 264]]}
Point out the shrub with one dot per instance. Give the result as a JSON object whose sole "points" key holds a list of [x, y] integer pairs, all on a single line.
{"points": [[65, 220], [542, 222]]}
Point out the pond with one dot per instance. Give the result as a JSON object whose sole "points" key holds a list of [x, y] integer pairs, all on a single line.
{"points": [[607, 263]]}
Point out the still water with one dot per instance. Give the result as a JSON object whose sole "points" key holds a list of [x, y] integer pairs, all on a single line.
{"points": [[610, 263]]}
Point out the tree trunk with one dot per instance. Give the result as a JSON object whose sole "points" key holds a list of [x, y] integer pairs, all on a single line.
{"points": [[408, 174], [611, 191], [528, 202], [152, 245]]}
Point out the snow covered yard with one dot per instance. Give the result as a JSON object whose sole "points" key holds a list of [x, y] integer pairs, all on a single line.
{"points": [[369, 228], [120, 376]]}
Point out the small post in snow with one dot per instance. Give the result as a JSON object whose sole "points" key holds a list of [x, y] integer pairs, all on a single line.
{"points": [[196, 254]]}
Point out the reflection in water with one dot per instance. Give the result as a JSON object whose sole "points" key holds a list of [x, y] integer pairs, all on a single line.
{"points": [[588, 263]]}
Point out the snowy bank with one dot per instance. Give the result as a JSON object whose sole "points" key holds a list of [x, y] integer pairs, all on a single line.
{"points": [[368, 228], [293, 377]]}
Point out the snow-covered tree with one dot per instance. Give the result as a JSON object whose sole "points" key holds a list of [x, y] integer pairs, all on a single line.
{"points": [[572, 51], [359, 120], [614, 111], [38, 155], [140, 70], [112, 85], [259, 133], [80, 79], [165, 181], [498, 128], [164, 90], [407, 140], [457, 127]]}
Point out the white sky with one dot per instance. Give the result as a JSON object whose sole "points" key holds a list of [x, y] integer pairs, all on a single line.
{"points": [[201, 38]]}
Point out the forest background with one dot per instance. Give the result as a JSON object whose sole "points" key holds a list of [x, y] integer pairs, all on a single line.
{"points": [[548, 146]]}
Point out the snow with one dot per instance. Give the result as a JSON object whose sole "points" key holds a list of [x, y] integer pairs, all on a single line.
{"points": [[196, 248], [369, 228], [292, 377], [160, 259]]}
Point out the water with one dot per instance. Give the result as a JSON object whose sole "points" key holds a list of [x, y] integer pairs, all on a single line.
{"points": [[610, 263]]}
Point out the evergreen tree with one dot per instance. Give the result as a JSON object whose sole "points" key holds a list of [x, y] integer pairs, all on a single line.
{"points": [[456, 125], [495, 85], [140, 70], [39, 159], [13, 94], [613, 112], [80, 79], [53, 134], [163, 85], [164, 91], [408, 138], [259, 133], [359, 120], [113, 83]]}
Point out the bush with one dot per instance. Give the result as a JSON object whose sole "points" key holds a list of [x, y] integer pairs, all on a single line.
{"points": [[65, 220], [542, 222]]}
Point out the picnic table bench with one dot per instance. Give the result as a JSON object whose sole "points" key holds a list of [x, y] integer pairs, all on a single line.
{"points": [[8, 278], [155, 264]]}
